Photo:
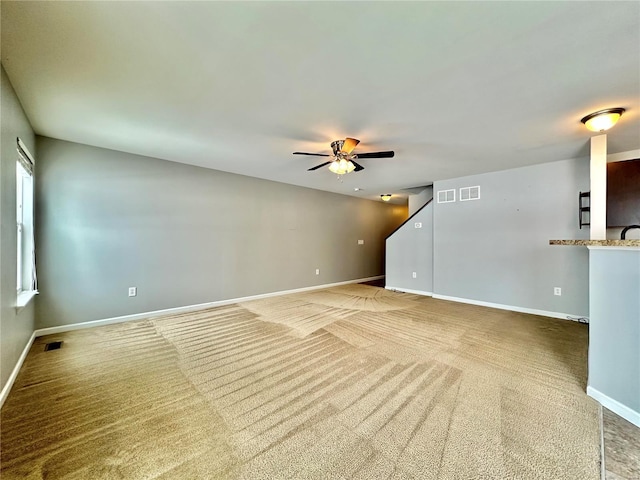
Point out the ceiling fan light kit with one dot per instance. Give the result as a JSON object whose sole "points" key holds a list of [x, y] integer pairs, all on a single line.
{"points": [[344, 161], [385, 197], [602, 120], [342, 166]]}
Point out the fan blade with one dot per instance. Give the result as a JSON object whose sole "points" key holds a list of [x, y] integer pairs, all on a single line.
{"points": [[312, 154], [376, 155], [358, 166], [318, 166], [349, 144]]}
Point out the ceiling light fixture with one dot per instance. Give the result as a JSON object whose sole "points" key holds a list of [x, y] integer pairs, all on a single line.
{"points": [[385, 197], [342, 166], [603, 119]]}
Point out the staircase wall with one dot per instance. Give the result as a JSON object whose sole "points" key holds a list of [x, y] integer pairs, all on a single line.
{"points": [[409, 250]]}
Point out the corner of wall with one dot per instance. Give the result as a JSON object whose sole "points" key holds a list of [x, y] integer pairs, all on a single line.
{"points": [[16, 328]]}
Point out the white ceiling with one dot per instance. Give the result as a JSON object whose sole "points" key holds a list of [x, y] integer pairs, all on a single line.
{"points": [[455, 88]]}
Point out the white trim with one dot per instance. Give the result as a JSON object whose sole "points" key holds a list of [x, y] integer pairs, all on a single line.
{"points": [[24, 298], [615, 406], [189, 308], [408, 290], [12, 378], [622, 156], [532, 311], [604, 247]]}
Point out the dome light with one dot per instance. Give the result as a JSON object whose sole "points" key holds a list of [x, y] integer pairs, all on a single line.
{"points": [[603, 119]]}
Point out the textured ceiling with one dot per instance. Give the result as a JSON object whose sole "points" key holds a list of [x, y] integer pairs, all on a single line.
{"points": [[454, 88]]}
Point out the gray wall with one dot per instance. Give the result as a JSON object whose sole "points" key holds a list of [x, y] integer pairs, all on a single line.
{"points": [[417, 200], [15, 327], [614, 330], [186, 235], [410, 250], [497, 250]]}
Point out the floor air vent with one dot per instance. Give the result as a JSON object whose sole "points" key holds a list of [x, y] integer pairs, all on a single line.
{"points": [[52, 346]]}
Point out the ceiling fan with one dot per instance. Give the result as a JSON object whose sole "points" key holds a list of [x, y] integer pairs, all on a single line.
{"points": [[343, 158]]}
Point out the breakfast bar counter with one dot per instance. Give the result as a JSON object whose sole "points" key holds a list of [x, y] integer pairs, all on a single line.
{"points": [[597, 243], [614, 324]]}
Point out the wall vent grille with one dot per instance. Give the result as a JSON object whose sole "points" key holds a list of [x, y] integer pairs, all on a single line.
{"points": [[446, 196], [469, 193]]}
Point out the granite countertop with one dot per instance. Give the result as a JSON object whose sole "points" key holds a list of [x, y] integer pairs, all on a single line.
{"points": [[598, 243]]}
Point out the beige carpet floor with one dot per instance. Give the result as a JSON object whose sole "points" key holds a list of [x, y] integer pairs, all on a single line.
{"points": [[353, 382]]}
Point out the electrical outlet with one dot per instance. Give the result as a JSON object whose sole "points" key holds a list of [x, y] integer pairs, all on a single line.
{"points": [[360, 242], [557, 291], [415, 274], [133, 291], [317, 271]]}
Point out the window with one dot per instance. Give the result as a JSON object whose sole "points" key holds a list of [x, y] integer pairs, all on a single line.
{"points": [[26, 283]]}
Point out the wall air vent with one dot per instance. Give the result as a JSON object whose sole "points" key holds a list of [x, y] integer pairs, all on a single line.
{"points": [[446, 196], [469, 193], [52, 346]]}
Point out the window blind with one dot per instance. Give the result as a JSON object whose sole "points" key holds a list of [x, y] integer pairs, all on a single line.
{"points": [[24, 157]]}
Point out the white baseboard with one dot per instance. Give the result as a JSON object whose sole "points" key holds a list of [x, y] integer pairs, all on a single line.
{"points": [[189, 308], [615, 406], [408, 290], [12, 378], [533, 311]]}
